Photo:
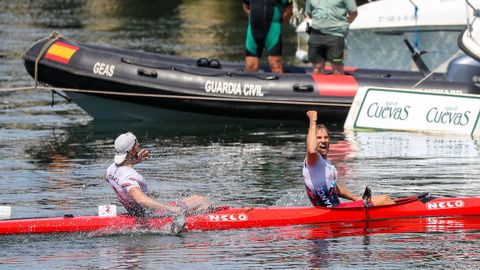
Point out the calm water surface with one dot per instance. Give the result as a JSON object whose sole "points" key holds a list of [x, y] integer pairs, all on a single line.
{"points": [[53, 158]]}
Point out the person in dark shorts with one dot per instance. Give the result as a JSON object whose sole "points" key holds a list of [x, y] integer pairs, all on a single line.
{"points": [[330, 20], [264, 31]]}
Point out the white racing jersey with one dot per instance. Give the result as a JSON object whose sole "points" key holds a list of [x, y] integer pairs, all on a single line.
{"points": [[320, 181], [122, 179]]}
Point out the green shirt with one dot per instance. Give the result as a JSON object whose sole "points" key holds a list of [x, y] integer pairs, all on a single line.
{"points": [[330, 16]]}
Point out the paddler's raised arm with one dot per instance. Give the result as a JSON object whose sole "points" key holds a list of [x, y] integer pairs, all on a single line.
{"points": [[312, 145]]}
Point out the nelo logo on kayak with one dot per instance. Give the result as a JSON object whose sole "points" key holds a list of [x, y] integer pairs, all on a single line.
{"points": [[233, 88], [446, 204], [231, 217], [103, 69]]}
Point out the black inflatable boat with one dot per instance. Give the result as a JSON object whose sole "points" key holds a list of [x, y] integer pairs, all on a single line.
{"points": [[111, 83]]}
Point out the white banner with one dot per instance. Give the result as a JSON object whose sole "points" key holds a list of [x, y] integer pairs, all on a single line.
{"points": [[411, 110]]}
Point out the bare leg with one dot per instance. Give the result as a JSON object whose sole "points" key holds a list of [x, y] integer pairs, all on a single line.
{"points": [[275, 63], [318, 67], [252, 63], [337, 69]]}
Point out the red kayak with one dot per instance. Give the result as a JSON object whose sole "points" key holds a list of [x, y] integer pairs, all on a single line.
{"points": [[225, 218], [463, 224]]}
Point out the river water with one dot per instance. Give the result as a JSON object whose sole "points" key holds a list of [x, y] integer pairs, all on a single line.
{"points": [[53, 158]]}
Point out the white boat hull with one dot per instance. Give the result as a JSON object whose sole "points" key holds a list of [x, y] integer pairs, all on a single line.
{"points": [[399, 15]]}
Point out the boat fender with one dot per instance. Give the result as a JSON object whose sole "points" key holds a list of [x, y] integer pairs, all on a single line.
{"points": [[147, 73], [301, 55], [304, 88]]}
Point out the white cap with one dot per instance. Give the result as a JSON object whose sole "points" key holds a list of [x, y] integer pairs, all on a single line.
{"points": [[123, 144]]}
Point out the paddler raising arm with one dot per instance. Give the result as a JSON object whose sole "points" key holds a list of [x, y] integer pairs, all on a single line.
{"points": [[320, 174], [131, 188]]}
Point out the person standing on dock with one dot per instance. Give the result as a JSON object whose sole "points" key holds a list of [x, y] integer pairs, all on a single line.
{"points": [[330, 21], [131, 188], [264, 31], [320, 174]]}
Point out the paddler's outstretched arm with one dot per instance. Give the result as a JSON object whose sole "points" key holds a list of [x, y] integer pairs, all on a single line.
{"points": [[343, 192], [141, 198], [312, 145]]}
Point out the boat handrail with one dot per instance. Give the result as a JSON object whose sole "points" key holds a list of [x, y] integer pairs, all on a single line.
{"points": [[214, 72]]}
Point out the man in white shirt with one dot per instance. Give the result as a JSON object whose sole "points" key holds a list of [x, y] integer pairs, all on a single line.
{"points": [[131, 188]]}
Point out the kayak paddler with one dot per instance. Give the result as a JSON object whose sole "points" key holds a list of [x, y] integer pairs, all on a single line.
{"points": [[131, 188], [320, 174]]}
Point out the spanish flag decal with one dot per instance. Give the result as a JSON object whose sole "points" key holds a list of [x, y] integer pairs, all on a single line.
{"points": [[61, 52]]}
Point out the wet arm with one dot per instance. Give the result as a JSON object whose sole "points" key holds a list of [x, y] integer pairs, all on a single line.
{"points": [[312, 138], [343, 192], [351, 16], [145, 201]]}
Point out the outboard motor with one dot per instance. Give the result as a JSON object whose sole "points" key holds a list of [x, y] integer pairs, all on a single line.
{"points": [[464, 69]]}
